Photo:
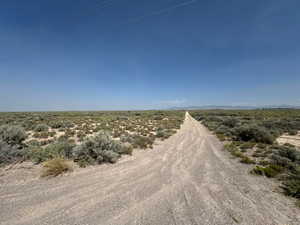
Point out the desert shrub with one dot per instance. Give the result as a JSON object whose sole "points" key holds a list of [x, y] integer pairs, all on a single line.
{"points": [[98, 149], [116, 134], [157, 117], [254, 133], [59, 149], [55, 167], [273, 170], [262, 152], [10, 153], [247, 145], [42, 134], [164, 133], [12, 135], [127, 138], [41, 127], [231, 122], [142, 142], [222, 129], [221, 137], [70, 133], [160, 133], [214, 118], [293, 132], [288, 152], [63, 138], [33, 143], [291, 187], [237, 143], [230, 147], [269, 171], [261, 145], [257, 153], [110, 156], [237, 153], [247, 160], [45, 142], [11, 144], [61, 124], [234, 150], [289, 145], [80, 134], [258, 170], [263, 162], [126, 149], [52, 133], [279, 160]]}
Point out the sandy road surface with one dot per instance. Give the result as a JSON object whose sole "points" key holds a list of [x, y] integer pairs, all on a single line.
{"points": [[188, 179]]}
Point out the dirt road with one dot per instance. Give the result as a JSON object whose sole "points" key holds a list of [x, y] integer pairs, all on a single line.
{"points": [[188, 179]]}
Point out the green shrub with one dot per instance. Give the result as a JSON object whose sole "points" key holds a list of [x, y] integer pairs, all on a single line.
{"points": [[221, 137], [59, 149], [61, 124], [109, 156], [254, 133], [10, 153], [230, 147], [273, 170], [222, 130], [289, 145], [258, 170], [293, 132], [231, 122], [291, 187], [127, 138], [247, 145], [247, 160], [55, 167], [42, 134], [41, 127], [32, 143], [12, 135], [261, 145], [98, 149], [11, 144], [142, 142], [164, 133], [237, 154], [264, 162], [279, 160], [234, 150], [127, 149], [269, 171], [288, 152]]}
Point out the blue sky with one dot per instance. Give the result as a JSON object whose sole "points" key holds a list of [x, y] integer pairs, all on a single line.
{"points": [[141, 54]]}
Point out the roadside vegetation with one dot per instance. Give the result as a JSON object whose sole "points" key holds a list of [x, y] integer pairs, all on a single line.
{"points": [[250, 136], [86, 138]]}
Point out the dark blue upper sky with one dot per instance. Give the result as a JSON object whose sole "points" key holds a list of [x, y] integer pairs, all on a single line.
{"points": [[129, 54]]}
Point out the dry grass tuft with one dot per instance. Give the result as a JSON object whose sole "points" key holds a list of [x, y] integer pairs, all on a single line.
{"points": [[55, 167]]}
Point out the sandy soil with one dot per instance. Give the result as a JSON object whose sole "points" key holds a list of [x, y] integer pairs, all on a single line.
{"points": [[187, 179], [291, 139]]}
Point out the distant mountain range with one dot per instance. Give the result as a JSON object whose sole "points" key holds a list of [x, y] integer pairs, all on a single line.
{"points": [[235, 107]]}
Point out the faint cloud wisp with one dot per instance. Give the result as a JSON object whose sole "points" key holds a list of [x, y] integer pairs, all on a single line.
{"points": [[171, 103], [161, 11]]}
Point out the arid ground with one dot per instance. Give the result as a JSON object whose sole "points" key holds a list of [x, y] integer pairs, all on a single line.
{"points": [[187, 179], [291, 139]]}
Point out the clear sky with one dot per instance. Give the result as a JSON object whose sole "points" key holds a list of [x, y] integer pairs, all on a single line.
{"points": [[142, 54]]}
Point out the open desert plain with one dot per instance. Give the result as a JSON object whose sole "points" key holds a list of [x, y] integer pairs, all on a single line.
{"points": [[187, 179]]}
